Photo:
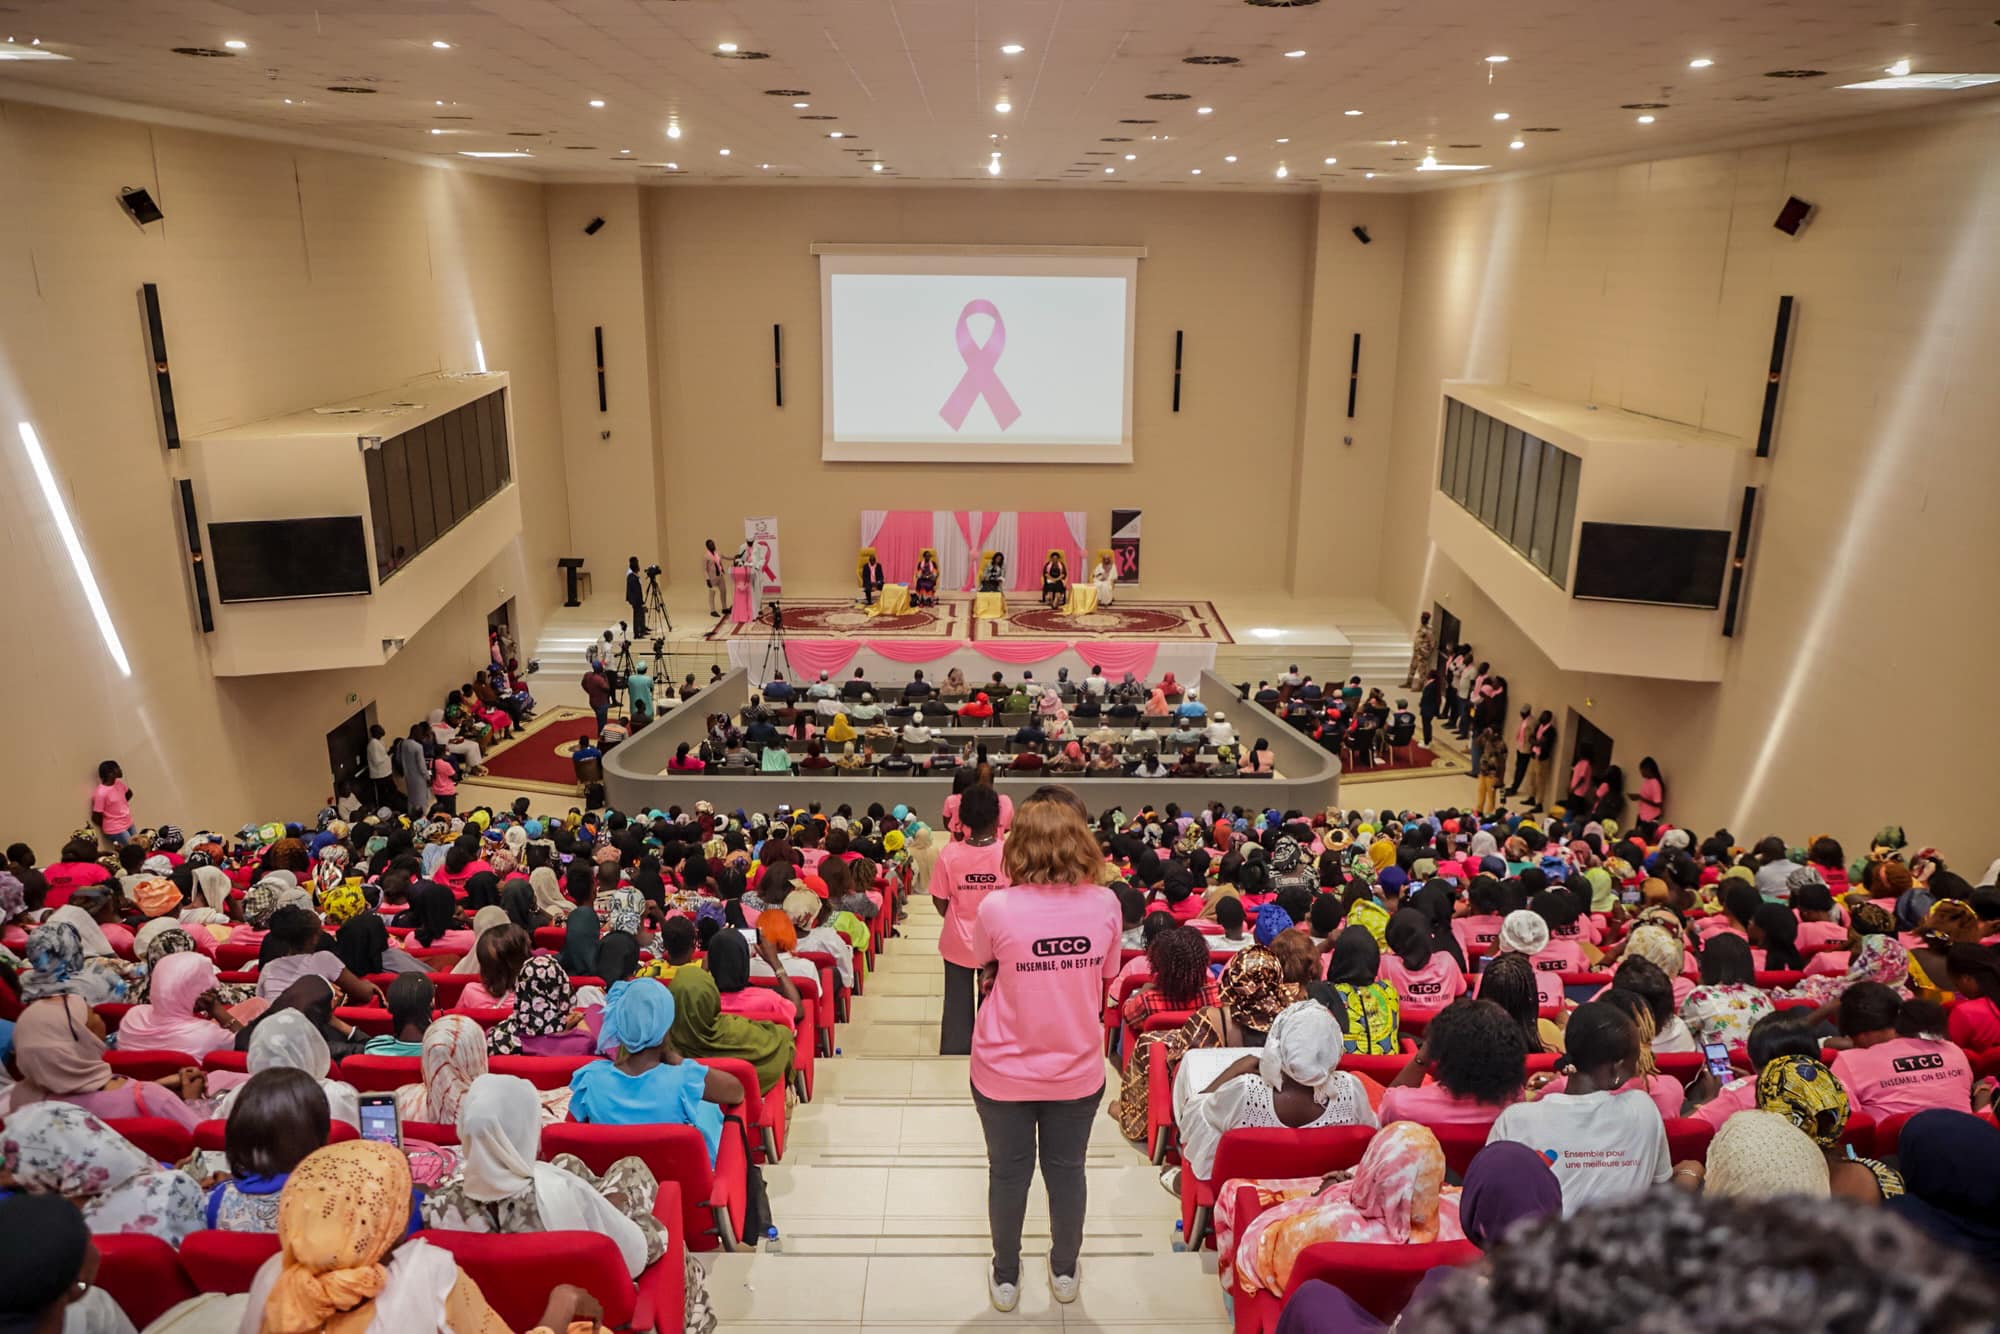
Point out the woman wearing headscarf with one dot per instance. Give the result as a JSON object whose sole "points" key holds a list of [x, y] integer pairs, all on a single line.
{"points": [[181, 1013], [1951, 1166], [501, 1187], [1295, 1082], [729, 964], [1761, 1155], [580, 938], [289, 1039], [1422, 975], [647, 1081], [59, 1050], [1880, 958], [54, 1148], [1395, 1196], [1254, 988], [363, 946], [621, 909], [454, 1055], [1367, 1007], [840, 730], [489, 918], [58, 966], [700, 1028], [517, 898], [547, 889], [342, 1214], [546, 1020]]}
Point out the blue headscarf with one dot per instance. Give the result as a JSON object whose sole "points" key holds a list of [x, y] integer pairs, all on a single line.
{"points": [[1272, 921], [637, 1014]]}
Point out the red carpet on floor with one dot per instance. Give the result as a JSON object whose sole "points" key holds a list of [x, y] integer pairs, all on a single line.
{"points": [[1420, 758], [536, 758]]}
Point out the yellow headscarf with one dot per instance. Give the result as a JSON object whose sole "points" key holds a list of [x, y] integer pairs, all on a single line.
{"points": [[1381, 853], [343, 902], [840, 729], [340, 1212]]}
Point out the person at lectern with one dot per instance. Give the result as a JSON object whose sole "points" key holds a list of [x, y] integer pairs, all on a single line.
{"points": [[871, 577], [1055, 580], [993, 578], [923, 589]]}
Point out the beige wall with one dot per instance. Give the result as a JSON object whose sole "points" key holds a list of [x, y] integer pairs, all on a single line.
{"points": [[289, 277], [1855, 690], [1233, 271]]}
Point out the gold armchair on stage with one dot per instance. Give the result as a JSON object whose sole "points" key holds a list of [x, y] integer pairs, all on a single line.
{"points": [[990, 603], [890, 599]]}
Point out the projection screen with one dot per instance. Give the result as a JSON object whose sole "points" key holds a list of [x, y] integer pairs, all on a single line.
{"points": [[989, 357]]}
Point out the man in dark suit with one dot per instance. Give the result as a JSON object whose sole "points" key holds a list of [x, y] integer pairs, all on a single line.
{"points": [[635, 597], [856, 687], [871, 579]]}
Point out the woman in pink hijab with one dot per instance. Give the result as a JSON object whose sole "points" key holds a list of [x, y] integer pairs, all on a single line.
{"points": [[169, 1022], [1156, 703]]}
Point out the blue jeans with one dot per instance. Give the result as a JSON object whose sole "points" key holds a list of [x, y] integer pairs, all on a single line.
{"points": [[119, 840]]}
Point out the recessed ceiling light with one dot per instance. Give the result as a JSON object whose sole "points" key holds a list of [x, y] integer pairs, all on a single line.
{"points": [[1330, 161], [1230, 158], [624, 150], [1899, 69], [434, 131], [800, 106], [673, 131], [236, 44], [1370, 175], [1700, 62], [722, 152], [1295, 55], [1496, 60], [513, 152], [1131, 157], [288, 101], [727, 48], [1003, 106], [1935, 82], [1500, 115], [836, 134], [1196, 171], [1204, 111], [1518, 143], [876, 167], [597, 102], [1283, 171], [441, 46], [1012, 49], [1111, 171], [32, 51], [1646, 120], [1350, 112], [1284, 141], [765, 166]]}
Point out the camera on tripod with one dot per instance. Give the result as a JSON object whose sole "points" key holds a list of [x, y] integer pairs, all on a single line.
{"points": [[775, 613], [652, 571]]}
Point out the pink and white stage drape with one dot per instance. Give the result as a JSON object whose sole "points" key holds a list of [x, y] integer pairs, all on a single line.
{"points": [[889, 659], [1025, 537]]}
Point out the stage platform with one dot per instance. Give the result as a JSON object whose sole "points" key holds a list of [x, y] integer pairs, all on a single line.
{"points": [[1252, 635]]}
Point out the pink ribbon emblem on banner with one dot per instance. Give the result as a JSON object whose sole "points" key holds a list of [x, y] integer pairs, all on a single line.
{"points": [[979, 378]]}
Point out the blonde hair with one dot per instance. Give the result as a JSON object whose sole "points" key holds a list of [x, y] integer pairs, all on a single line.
{"points": [[1051, 843]]}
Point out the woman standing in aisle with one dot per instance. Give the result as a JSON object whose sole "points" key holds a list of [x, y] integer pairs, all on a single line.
{"points": [[1047, 944]]}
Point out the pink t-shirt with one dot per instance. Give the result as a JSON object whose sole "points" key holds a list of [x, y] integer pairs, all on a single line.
{"points": [[1975, 1023], [477, 997], [964, 874], [1185, 910], [1905, 1075], [1560, 956], [1433, 1105], [1665, 1091], [1812, 934], [759, 1003], [456, 883], [1548, 989], [1434, 986], [110, 802], [1710, 927], [1475, 931], [1039, 1034], [1738, 1095], [1587, 930]]}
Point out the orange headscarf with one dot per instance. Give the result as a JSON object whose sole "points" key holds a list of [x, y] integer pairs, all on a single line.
{"points": [[341, 1211], [774, 926]]}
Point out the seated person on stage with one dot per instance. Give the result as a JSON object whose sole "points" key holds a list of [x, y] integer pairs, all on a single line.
{"points": [[1103, 577], [1055, 579], [994, 577], [871, 576], [923, 589]]}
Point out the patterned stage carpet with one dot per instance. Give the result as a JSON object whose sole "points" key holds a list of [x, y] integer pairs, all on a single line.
{"points": [[831, 618], [537, 759]]}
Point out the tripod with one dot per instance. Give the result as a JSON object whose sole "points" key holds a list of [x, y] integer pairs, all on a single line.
{"points": [[655, 604], [774, 647]]}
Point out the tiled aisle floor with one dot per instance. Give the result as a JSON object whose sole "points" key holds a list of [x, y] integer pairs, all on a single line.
{"points": [[881, 1198]]}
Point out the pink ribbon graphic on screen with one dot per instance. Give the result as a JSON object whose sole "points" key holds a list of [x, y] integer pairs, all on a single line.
{"points": [[979, 378]]}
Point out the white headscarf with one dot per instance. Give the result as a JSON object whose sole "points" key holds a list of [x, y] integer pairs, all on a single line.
{"points": [[1483, 845], [499, 1133], [1304, 1044], [1523, 932], [288, 1040], [87, 930], [152, 931], [486, 919], [211, 887]]}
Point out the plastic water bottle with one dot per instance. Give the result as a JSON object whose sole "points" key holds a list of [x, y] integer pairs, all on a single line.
{"points": [[772, 1246]]}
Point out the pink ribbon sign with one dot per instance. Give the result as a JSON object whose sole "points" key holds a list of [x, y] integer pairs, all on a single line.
{"points": [[979, 378]]}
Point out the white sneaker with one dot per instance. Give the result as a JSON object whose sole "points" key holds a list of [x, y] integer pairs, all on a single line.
{"points": [[1004, 1296], [1066, 1289]]}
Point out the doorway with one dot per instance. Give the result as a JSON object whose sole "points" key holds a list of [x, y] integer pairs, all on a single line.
{"points": [[501, 621], [1587, 741], [347, 751], [1448, 630]]}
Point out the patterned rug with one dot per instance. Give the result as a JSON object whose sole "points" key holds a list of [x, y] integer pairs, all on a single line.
{"points": [[537, 759], [834, 618], [1168, 622]]}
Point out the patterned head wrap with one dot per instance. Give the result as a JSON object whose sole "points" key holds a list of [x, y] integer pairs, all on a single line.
{"points": [[1253, 986], [343, 903], [340, 1212], [1806, 1093]]}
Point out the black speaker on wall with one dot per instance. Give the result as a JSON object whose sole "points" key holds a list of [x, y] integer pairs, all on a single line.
{"points": [[191, 530], [778, 365], [1774, 383], [593, 227], [599, 333], [163, 383], [1738, 559], [1353, 374], [1793, 216], [1179, 341], [1361, 235], [139, 203]]}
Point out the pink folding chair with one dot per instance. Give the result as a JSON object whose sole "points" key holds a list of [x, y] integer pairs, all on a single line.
{"points": [[713, 1195], [226, 1261], [515, 1271]]}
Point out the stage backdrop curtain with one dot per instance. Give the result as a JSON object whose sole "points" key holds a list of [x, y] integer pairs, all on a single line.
{"points": [[809, 657], [1119, 656], [975, 528], [916, 651], [1038, 532], [1024, 652], [899, 537]]}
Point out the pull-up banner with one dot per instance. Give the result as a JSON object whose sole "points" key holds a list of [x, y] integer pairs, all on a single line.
{"points": [[1125, 544]]}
